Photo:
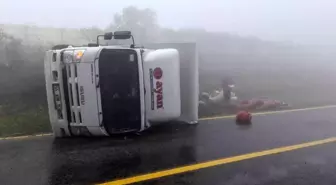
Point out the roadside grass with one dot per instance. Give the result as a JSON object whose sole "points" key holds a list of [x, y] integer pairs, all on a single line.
{"points": [[24, 123]]}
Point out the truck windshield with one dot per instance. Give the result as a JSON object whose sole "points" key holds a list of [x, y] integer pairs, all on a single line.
{"points": [[119, 87]]}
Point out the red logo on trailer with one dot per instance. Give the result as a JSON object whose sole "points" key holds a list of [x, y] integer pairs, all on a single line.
{"points": [[157, 73]]}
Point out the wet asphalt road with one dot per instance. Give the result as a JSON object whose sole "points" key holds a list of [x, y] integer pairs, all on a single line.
{"points": [[42, 160]]}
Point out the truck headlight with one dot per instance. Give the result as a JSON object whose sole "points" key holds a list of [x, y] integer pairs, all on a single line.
{"points": [[78, 54], [73, 55]]}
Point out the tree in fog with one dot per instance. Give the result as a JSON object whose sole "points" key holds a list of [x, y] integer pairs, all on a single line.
{"points": [[142, 23], [10, 50]]}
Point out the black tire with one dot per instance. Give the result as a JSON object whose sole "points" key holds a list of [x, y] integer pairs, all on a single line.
{"points": [[60, 46]]}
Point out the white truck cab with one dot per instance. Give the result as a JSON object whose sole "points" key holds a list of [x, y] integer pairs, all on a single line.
{"points": [[106, 90]]}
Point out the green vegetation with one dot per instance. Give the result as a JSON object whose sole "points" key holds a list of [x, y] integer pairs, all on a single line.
{"points": [[25, 123]]}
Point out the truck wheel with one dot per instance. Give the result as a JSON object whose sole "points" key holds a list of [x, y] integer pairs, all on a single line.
{"points": [[60, 46]]}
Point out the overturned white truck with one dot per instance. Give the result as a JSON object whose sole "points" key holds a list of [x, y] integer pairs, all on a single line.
{"points": [[104, 90]]}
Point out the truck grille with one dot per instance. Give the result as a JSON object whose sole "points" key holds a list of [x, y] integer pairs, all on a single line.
{"points": [[71, 94]]}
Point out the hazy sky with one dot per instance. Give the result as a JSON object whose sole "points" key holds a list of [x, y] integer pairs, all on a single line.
{"points": [[303, 21]]}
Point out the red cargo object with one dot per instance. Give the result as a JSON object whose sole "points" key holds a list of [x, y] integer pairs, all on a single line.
{"points": [[243, 117]]}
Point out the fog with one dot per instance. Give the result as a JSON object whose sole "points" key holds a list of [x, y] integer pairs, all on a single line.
{"points": [[300, 21], [280, 49]]}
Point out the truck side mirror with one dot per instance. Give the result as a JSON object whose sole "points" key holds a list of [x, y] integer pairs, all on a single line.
{"points": [[108, 36], [122, 35]]}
